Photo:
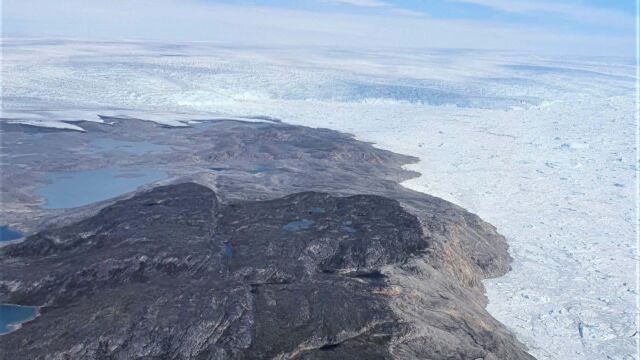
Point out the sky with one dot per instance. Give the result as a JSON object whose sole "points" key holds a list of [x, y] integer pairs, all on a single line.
{"points": [[571, 27]]}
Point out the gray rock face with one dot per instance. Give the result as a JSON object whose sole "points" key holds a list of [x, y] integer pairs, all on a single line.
{"points": [[173, 273], [260, 267]]}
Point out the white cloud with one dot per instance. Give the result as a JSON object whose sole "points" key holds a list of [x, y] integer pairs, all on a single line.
{"points": [[573, 11], [406, 12], [362, 3], [391, 9], [178, 20]]}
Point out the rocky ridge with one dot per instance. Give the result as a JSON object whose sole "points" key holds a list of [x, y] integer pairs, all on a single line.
{"points": [[237, 261]]}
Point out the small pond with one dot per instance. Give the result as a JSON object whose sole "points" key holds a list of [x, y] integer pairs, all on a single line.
{"points": [[8, 234], [346, 227], [228, 250], [13, 315], [298, 225]]}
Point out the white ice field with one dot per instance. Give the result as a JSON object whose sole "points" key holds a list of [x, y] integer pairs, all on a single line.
{"points": [[543, 149]]}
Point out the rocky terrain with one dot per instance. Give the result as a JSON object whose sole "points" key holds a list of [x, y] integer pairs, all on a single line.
{"points": [[267, 241]]}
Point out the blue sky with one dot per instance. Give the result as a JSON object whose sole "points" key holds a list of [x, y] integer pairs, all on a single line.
{"points": [[594, 27]]}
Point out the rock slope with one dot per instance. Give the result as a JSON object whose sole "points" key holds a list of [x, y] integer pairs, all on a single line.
{"points": [[279, 242], [173, 273]]}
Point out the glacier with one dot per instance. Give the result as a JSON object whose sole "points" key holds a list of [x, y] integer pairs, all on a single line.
{"points": [[543, 148]]}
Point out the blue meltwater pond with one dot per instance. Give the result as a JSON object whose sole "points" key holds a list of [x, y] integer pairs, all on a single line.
{"points": [[8, 234], [13, 315], [298, 225], [71, 189]]}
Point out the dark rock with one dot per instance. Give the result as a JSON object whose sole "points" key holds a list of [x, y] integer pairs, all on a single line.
{"points": [[149, 277], [291, 261]]}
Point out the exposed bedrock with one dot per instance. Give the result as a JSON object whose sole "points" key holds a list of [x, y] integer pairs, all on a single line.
{"points": [[174, 273], [261, 246]]}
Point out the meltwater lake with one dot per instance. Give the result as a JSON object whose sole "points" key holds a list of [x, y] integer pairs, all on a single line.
{"points": [[8, 234], [71, 189], [13, 315]]}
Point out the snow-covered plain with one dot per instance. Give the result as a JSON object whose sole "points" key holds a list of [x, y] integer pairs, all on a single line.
{"points": [[543, 149]]}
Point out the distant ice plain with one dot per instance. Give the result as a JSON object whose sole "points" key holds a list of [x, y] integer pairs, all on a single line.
{"points": [[543, 149]]}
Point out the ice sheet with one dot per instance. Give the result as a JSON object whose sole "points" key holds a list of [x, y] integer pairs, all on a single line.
{"points": [[544, 149]]}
